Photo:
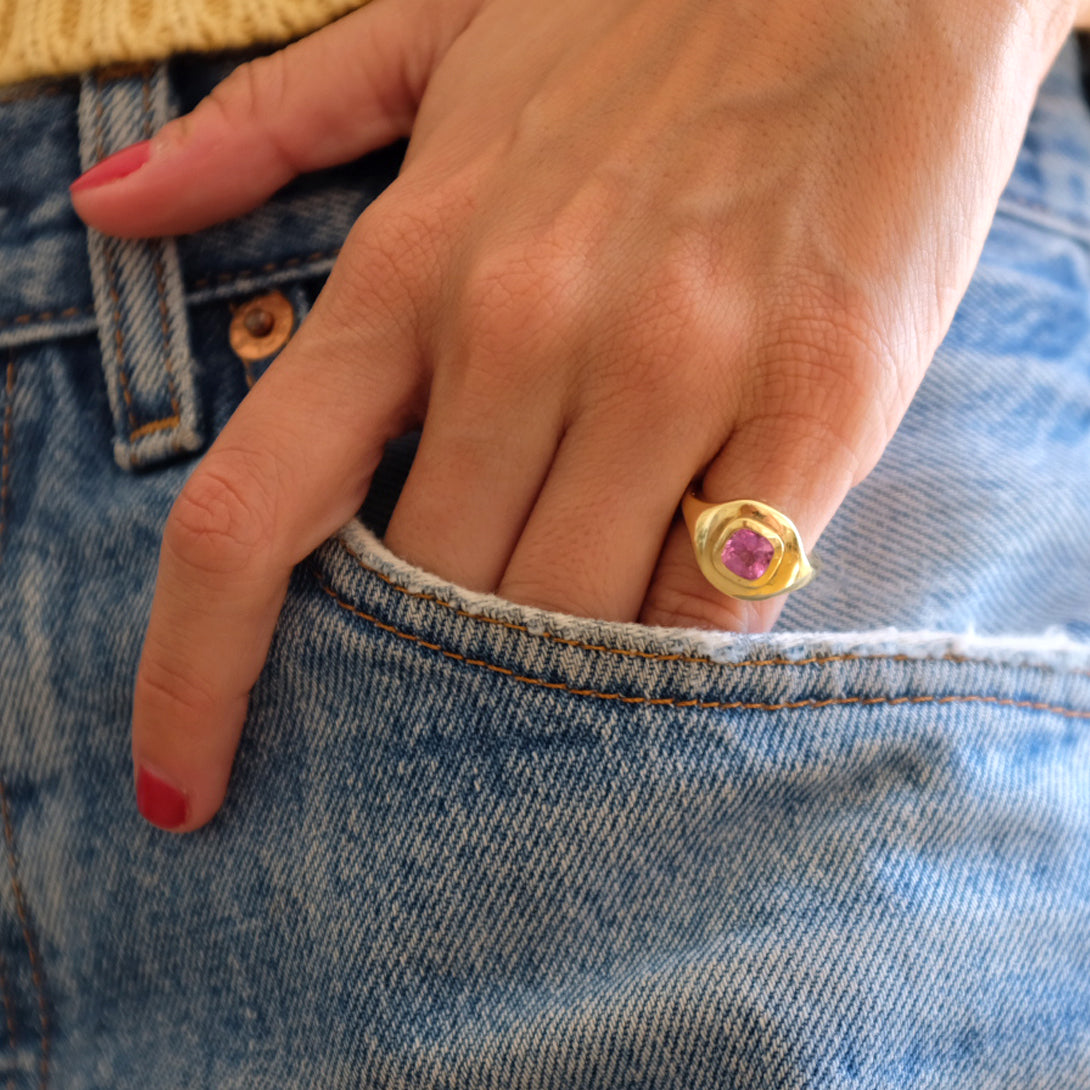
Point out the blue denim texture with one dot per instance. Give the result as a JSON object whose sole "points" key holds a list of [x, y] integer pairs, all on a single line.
{"points": [[473, 845]]}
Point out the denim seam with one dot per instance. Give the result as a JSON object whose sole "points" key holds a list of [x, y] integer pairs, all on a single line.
{"points": [[164, 325], [148, 427], [119, 336], [692, 702], [1044, 218], [29, 939], [139, 295], [160, 287], [111, 272], [270, 267], [5, 451], [662, 656], [47, 316], [221, 279]]}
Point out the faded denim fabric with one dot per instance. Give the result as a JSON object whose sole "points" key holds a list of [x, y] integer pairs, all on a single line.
{"points": [[473, 845]]}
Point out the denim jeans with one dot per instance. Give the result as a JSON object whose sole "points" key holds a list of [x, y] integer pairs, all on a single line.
{"points": [[469, 844]]}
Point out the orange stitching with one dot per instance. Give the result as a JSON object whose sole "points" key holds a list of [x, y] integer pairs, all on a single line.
{"points": [[272, 266], [702, 705], [662, 656], [9, 1017], [154, 426], [28, 938], [223, 278], [5, 453], [654, 656], [122, 70], [47, 316]]}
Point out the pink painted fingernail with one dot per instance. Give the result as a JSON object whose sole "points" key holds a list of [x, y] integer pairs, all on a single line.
{"points": [[159, 800], [119, 165]]}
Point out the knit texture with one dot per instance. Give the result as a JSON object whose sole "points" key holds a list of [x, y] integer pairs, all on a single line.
{"points": [[60, 37]]}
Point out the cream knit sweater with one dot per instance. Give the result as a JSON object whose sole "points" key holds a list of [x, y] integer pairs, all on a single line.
{"points": [[59, 37]]}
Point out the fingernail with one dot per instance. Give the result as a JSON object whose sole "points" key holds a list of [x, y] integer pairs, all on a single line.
{"points": [[159, 800], [119, 165]]}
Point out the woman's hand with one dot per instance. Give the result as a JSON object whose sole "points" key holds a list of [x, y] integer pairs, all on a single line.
{"points": [[633, 242]]}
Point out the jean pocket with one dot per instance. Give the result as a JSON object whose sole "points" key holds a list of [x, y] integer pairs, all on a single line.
{"points": [[550, 851]]}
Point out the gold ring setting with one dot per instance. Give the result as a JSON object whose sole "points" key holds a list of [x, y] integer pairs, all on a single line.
{"points": [[745, 548]]}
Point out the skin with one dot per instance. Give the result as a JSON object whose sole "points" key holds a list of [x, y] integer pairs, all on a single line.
{"points": [[634, 243]]}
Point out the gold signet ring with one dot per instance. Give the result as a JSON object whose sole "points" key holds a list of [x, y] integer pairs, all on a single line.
{"points": [[745, 548]]}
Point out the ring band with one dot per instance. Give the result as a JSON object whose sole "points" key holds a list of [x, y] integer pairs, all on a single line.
{"points": [[745, 548]]}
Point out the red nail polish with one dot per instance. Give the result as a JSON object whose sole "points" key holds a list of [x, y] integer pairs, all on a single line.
{"points": [[159, 800], [119, 165]]}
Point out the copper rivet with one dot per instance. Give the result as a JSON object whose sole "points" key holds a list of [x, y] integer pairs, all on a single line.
{"points": [[262, 326], [259, 323]]}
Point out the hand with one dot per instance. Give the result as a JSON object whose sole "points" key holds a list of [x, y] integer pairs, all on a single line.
{"points": [[633, 242]]}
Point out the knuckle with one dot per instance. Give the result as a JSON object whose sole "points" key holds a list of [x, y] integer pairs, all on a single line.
{"points": [[675, 341], [255, 96], [828, 364], [224, 520], [683, 291], [651, 392], [521, 294], [176, 133], [832, 334], [665, 385], [393, 242], [172, 694], [839, 443], [389, 262], [255, 88]]}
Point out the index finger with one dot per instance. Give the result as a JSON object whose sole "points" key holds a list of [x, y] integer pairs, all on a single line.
{"points": [[291, 466]]}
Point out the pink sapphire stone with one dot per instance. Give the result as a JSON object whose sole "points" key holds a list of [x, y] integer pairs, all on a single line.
{"points": [[747, 553]]}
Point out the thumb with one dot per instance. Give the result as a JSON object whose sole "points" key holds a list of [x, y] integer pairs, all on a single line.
{"points": [[347, 89]]}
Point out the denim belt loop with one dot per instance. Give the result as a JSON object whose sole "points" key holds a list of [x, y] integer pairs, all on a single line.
{"points": [[138, 290]]}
